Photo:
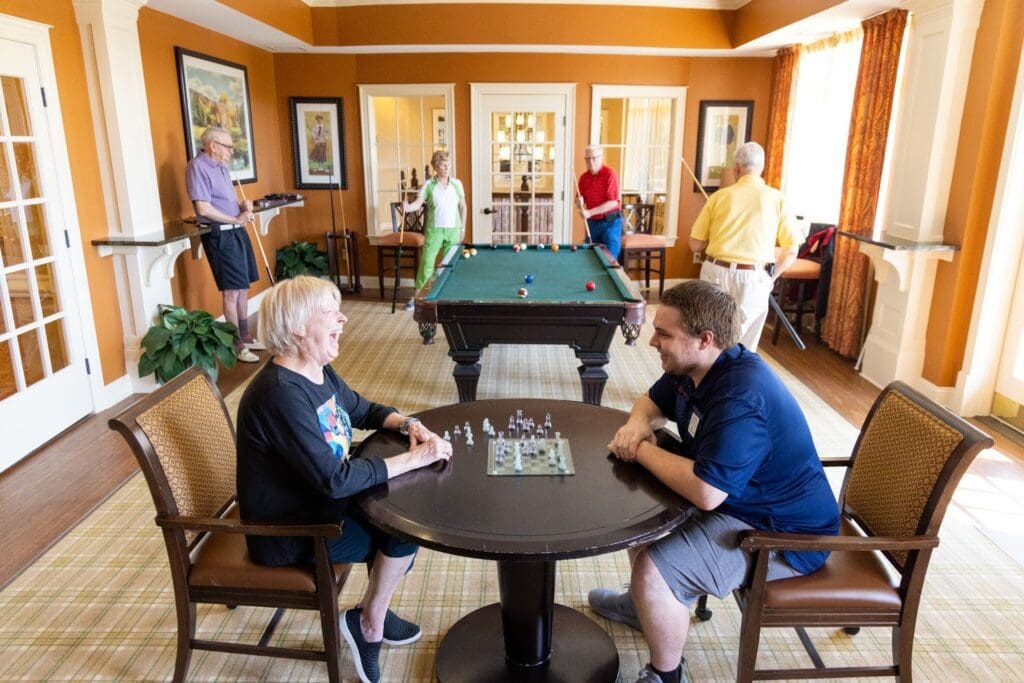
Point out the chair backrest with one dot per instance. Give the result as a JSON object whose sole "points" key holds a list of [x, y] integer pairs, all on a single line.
{"points": [[184, 441], [638, 218], [908, 460], [820, 243], [415, 221]]}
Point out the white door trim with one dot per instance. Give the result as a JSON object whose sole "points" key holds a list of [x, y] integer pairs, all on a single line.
{"points": [[38, 36], [673, 183], [477, 91]]}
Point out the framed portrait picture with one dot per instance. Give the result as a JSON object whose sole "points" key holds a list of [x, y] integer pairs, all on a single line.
{"points": [[216, 93], [723, 126], [318, 143]]}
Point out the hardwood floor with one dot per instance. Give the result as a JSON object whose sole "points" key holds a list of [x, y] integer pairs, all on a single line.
{"points": [[49, 492]]}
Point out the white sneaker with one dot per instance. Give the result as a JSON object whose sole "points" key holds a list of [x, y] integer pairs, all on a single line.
{"points": [[246, 356], [410, 304], [255, 345]]}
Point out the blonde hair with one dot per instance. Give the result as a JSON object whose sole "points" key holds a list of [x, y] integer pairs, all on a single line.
{"points": [[439, 156], [288, 306]]}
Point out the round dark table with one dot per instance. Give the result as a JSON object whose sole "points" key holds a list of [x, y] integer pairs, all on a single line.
{"points": [[526, 524]]}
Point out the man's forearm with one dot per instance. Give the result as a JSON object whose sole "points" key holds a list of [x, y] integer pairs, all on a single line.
{"points": [[209, 212], [676, 472]]}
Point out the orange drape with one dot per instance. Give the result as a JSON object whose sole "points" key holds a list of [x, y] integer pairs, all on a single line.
{"points": [[786, 61], [865, 158]]}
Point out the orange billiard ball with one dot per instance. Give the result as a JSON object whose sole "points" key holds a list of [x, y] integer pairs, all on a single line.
{"points": [[554, 247]]}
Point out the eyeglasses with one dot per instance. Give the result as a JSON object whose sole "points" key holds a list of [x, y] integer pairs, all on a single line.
{"points": [[217, 142], [592, 158]]}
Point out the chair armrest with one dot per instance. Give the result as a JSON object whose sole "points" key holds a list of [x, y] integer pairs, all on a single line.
{"points": [[768, 540], [234, 526], [835, 462]]}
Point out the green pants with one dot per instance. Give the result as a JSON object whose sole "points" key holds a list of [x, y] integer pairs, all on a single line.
{"points": [[436, 240]]}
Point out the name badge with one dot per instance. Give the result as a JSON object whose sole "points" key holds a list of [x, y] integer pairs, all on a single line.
{"points": [[691, 428]]}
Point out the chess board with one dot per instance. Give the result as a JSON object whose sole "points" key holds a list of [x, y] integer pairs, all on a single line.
{"points": [[533, 465]]}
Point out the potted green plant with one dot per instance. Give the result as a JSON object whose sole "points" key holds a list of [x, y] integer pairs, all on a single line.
{"points": [[185, 338], [301, 258]]}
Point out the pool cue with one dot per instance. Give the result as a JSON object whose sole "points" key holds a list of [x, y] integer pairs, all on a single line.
{"points": [[336, 275], [579, 194], [256, 233], [690, 171], [344, 232], [398, 260]]}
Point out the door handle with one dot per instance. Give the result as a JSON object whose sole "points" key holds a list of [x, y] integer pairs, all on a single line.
{"points": [[488, 211]]}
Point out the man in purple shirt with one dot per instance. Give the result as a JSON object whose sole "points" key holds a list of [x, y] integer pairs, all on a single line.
{"points": [[227, 246]]}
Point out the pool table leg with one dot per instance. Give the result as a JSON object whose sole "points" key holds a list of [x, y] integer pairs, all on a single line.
{"points": [[466, 373], [592, 375]]}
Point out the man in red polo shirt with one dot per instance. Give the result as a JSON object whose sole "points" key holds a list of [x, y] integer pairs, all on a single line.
{"points": [[599, 202]]}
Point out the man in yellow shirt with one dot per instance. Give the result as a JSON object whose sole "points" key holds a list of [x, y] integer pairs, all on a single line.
{"points": [[737, 231]]}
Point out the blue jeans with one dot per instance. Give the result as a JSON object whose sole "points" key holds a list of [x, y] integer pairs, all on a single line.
{"points": [[607, 231]]}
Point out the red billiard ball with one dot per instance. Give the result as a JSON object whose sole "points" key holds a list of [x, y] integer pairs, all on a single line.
{"points": [[591, 286], [515, 247], [522, 292]]}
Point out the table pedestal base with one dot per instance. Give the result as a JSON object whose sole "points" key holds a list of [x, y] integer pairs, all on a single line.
{"points": [[474, 650]]}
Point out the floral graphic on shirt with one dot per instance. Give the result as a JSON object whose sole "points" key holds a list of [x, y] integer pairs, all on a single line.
{"points": [[336, 427]]}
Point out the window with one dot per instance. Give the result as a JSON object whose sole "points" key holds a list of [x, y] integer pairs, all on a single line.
{"points": [[402, 127], [641, 131]]}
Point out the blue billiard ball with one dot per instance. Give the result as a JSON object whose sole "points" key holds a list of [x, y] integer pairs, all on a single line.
{"points": [[528, 279]]}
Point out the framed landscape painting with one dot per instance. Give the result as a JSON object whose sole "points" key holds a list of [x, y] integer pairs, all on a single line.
{"points": [[318, 143], [724, 125], [215, 92]]}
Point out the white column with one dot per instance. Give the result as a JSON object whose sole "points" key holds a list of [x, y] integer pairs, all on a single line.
{"points": [[938, 65], [117, 94]]}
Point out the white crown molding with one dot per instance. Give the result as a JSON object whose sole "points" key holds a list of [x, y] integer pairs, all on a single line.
{"points": [[547, 49]]}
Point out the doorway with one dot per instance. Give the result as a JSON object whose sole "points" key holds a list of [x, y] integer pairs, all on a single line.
{"points": [[44, 384], [522, 150]]}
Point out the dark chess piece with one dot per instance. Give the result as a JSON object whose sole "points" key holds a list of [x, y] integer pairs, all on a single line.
{"points": [[525, 186]]}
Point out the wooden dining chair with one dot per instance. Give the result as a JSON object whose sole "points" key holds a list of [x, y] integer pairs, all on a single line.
{"points": [[803, 287], [411, 239], [905, 466], [641, 249], [184, 441]]}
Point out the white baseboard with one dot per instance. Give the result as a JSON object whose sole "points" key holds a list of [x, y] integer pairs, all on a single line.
{"points": [[110, 394], [941, 395]]}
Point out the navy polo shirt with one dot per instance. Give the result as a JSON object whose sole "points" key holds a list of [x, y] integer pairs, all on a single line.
{"points": [[748, 437]]}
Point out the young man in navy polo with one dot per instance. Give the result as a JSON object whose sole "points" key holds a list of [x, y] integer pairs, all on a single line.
{"points": [[746, 461]]}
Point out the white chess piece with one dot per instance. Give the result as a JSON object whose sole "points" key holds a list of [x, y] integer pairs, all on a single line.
{"points": [[447, 436], [469, 438]]}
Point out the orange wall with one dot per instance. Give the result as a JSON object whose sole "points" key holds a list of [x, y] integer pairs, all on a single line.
{"points": [[291, 16], [521, 25], [92, 217], [759, 17], [193, 285], [337, 75], [979, 156]]}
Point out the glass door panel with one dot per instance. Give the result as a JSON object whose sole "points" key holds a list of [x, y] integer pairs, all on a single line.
{"points": [[522, 178]]}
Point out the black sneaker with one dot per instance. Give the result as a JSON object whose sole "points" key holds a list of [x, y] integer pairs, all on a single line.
{"points": [[366, 655], [398, 631]]}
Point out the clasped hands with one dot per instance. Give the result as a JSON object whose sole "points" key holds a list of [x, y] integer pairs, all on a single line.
{"points": [[626, 442], [427, 446]]}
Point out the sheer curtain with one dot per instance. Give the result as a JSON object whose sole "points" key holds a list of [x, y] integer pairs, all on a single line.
{"points": [[819, 126], [648, 127]]}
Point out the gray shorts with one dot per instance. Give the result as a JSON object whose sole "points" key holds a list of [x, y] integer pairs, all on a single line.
{"points": [[703, 556]]}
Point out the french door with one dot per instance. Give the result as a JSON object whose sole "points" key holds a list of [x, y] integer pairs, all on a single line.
{"points": [[522, 165], [44, 386]]}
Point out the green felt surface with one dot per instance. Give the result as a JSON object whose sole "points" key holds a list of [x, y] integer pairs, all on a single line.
{"points": [[496, 274]]}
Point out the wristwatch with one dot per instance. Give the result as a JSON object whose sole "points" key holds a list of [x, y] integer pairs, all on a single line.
{"points": [[406, 423]]}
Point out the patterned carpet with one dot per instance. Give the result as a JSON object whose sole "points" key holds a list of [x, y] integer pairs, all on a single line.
{"points": [[99, 606]]}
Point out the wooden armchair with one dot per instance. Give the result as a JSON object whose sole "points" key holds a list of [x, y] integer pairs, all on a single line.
{"points": [[184, 440], [640, 246], [907, 461], [412, 242], [803, 287]]}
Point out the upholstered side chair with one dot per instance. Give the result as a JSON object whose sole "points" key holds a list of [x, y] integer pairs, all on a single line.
{"points": [[184, 441], [641, 249], [411, 241]]}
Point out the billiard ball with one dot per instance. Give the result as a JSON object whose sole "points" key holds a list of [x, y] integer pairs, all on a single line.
{"points": [[540, 247], [524, 246], [515, 248], [494, 245], [466, 254], [522, 292], [472, 252], [528, 279], [590, 285], [573, 247], [554, 247]]}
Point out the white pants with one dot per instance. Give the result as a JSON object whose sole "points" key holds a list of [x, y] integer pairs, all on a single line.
{"points": [[750, 289]]}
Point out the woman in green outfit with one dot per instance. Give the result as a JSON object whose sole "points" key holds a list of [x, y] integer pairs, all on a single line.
{"points": [[446, 216]]}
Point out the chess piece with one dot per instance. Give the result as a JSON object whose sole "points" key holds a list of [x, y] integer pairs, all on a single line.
{"points": [[447, 436], [456, 431], [469, 438], [562, 466]]}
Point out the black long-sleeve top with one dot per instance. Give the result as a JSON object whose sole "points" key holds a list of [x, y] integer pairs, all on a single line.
{"points": [[293, 447]]}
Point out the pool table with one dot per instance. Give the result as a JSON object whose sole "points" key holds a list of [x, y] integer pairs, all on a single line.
{"points": [[476, 301]]}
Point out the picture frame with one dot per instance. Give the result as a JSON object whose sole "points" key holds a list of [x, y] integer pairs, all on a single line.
{"points": [[439, 128], [215, 92], [723, 126], [318, 143]]}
